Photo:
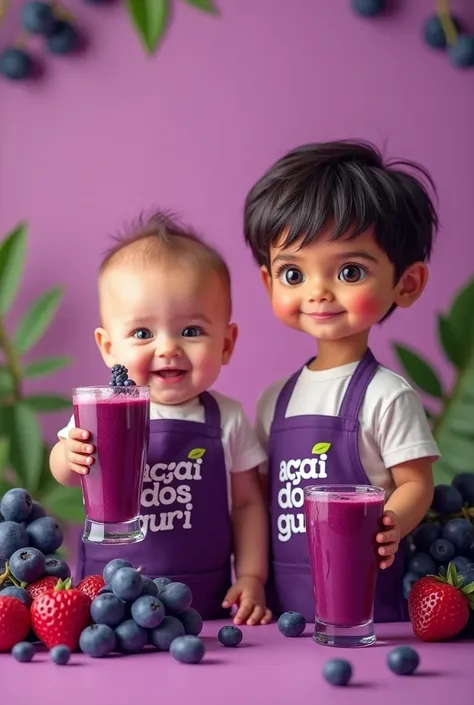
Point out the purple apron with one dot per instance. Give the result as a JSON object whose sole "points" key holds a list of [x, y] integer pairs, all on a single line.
{"points": [[311, 450], [184, 511]]}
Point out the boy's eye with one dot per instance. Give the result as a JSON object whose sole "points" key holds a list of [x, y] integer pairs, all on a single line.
{"points": [[192, 332], [291, 276], [142, 334], [352, 273]]}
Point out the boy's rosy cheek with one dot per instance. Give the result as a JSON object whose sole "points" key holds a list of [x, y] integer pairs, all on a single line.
{"points": [[365, 305]]}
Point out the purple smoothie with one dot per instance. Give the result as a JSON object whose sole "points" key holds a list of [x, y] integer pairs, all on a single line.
{"points": [[119, 422], [341, 529]]}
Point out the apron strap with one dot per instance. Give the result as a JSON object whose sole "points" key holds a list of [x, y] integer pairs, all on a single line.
{"points": [[212, 414], [285, 396], [357, 387]]}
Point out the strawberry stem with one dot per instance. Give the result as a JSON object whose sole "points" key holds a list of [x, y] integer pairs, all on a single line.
{"points": [[63, 584], [7, 575]]}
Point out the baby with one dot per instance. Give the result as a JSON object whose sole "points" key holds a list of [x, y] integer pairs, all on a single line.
{"points": [[165, 307], [342, 239]]}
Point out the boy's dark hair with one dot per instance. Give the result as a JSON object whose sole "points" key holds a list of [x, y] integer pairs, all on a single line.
{"points": [[345, 184]]}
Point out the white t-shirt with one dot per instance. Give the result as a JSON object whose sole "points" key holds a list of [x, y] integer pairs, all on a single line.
{"points": [[242, 449], [393, 426]]}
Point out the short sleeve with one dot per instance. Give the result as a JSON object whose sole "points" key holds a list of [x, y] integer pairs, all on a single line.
{"points": [[245, 448], [404, 433], [64, 432]]}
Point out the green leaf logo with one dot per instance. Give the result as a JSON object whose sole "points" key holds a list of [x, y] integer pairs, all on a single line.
{"points": [[320, 448], [196, 453]]}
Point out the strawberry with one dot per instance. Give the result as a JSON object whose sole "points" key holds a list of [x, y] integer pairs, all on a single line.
{"points": [[42, 585], [14, 622], [439, 606], [58, 616], [91, 584]]}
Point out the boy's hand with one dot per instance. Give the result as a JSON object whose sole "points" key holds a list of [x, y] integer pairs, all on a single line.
{"points": [[249, 595], [389, 538], [78, 451]]}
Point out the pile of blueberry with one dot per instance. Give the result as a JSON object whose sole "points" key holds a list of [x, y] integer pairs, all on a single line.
{"points": [[446, 535], [29, 540], [119, 377], [53, 24], [133, 612], [461, 52]]}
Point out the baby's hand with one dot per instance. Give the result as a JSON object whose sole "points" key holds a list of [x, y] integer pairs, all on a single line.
{"points": [[390, 538], [248, 593], [78, 451]]}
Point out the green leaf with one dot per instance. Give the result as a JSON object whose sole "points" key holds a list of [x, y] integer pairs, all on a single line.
{"points": [[150, 18], [196, 453], [47, 402], [468, 589], [25, 443], [36, 320], [419, 372], [320, 448], [65, 503], [12, 258], [3, 452], [204, 5], [452, 345], [6, 382], [46, 365], [461, 318]]}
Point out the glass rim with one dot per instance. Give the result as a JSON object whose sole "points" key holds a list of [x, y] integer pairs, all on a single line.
{"points": [[91, 387], [311, 490]]}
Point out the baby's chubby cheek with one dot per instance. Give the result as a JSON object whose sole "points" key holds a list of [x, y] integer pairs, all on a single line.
{"points": [[366, 306], [284, 306]]}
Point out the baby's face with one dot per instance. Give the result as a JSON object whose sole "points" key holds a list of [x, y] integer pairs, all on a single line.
{"points": [[169, 325], [334, 289]]}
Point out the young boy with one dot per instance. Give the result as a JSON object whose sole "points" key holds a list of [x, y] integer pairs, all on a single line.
{"points": [[342, 239], [165, 306]]}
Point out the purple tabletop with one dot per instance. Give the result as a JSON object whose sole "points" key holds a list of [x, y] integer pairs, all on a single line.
{"points": [[266, 668]]}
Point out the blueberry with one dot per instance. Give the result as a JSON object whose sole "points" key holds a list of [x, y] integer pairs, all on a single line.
{"points": [[368, 8], [108, 609], [461, 563], [188, 649], [409, 579], [447, 500], [16, 64], [37, 17], [461, 534], [45, 534], [169, 630], [464, 482], [23, 651], [403, 660], [106, 590], [129, 383], [27, 565], [291, 624], [176, 597], [97, 641], [131, 638], [60, 654], [192, 621], [161, 583], [57, 568], [442, 550], [63, 38], [12, 537], [433, 33], [20, 594], [422, 565], [120, 380], [37, 511], [467, 575], [16, 505], [127, 584], [337, 671], [424, 535], [462, 52], [112, 567], [149, 587], [230, 635], [148, 611]]}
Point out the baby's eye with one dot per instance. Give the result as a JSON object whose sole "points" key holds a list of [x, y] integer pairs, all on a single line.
{"points": [[142, 334], [192, 332], [292, 276], [352, 273]]}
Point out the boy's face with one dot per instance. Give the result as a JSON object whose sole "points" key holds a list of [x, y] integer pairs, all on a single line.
{"points": [[169, 325], [334, 289]]}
